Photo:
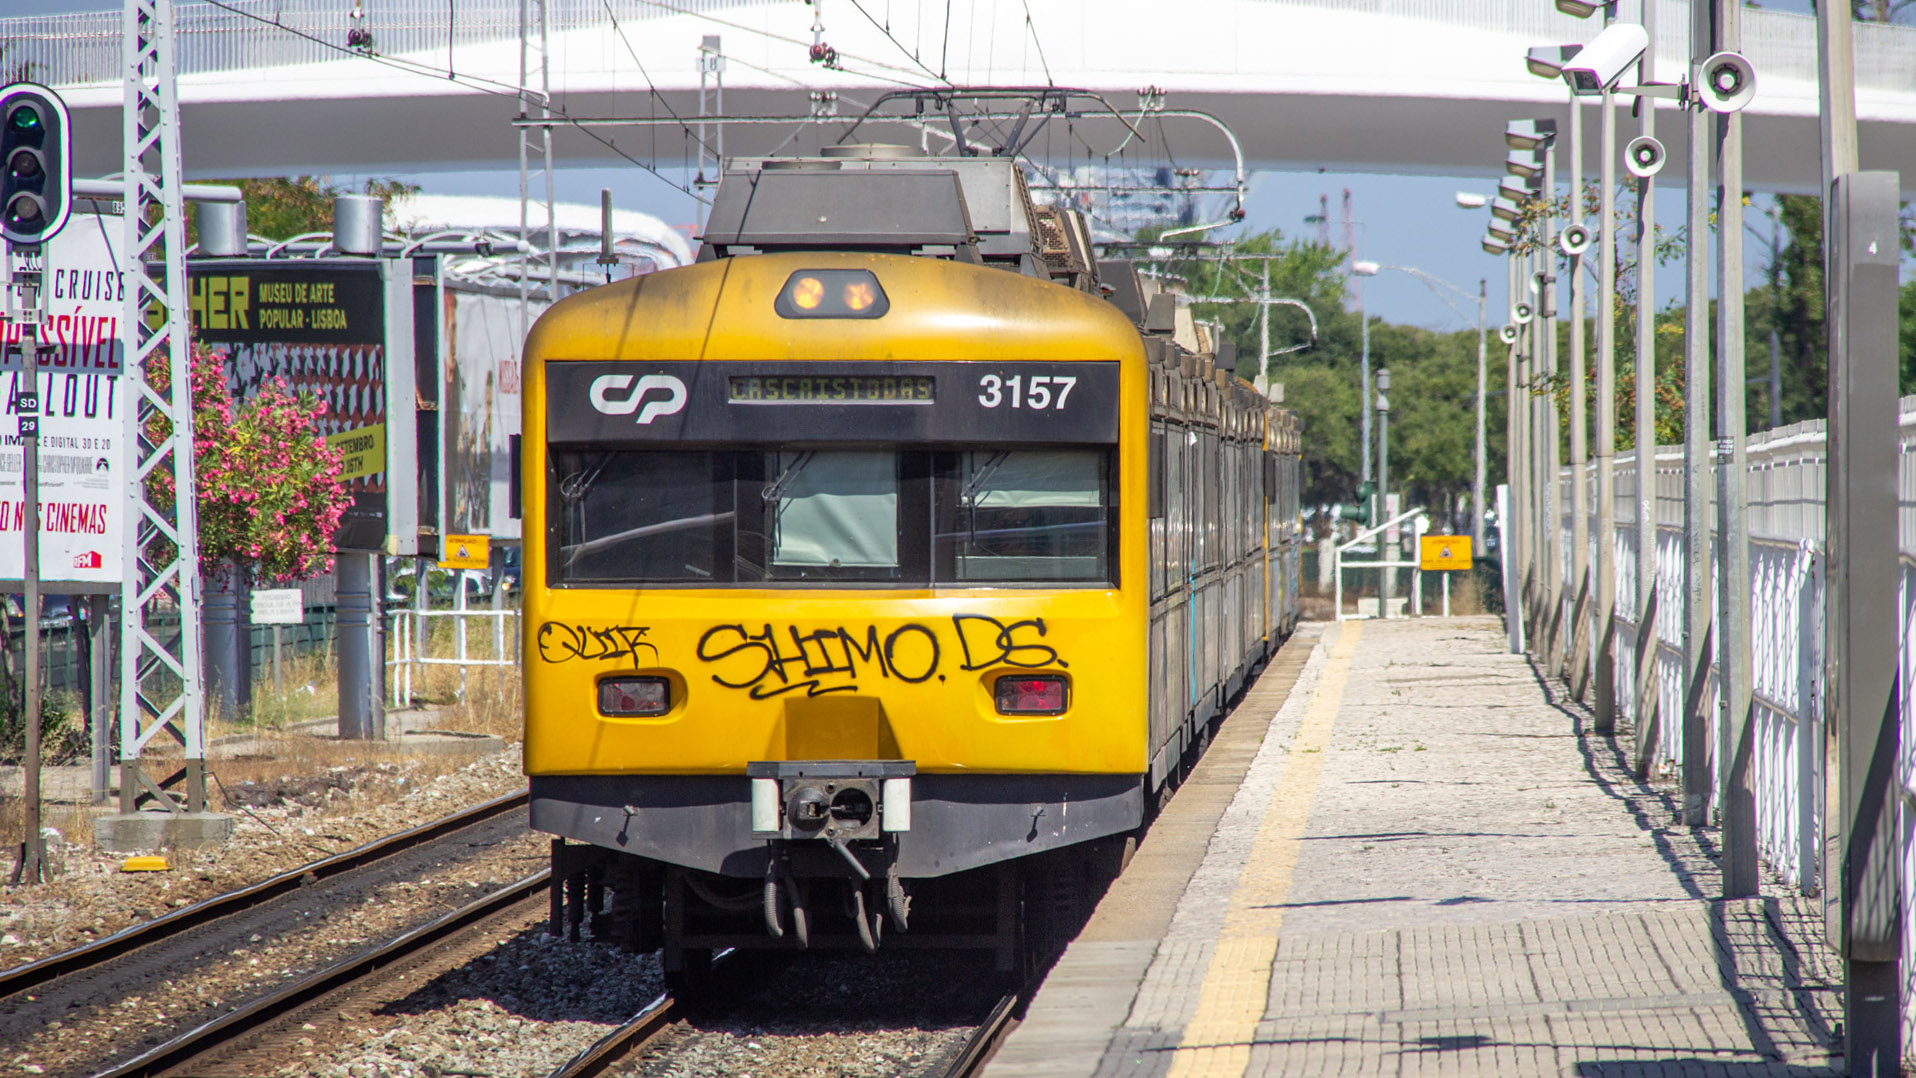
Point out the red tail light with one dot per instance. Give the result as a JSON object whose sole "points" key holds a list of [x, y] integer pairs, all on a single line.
{"points": [[635, 696], [1030, 695]]}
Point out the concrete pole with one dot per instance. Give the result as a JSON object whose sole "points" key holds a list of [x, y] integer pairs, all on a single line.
{"points": [[1605, 607], [1577, 662], [1736, 794], [1263, 379], [358, 693], [1696, 453], [1477, 479], [1860, 649], [1645, 724]]}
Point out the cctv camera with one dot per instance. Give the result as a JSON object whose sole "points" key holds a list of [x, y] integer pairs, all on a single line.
{"points": [[1574, 240], [1522, 313], [1602, 62], [1644, 156], [1508, 334], [1726, 82]]}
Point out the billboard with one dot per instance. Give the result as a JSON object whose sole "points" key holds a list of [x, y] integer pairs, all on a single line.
{"points": [[484, 334], [85, 460], [341, 330]]}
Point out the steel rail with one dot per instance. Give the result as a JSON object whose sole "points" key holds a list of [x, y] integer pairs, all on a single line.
{"points": [[984, 1040], [237, 1023], [220, 906]]}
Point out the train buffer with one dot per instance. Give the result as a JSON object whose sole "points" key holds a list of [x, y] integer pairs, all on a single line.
{"points": [[1405, 854]]}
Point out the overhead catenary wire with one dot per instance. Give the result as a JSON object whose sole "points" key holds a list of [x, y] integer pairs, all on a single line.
{"points": [[470, 82]]}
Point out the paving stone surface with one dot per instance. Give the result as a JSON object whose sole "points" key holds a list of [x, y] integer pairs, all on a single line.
{"points": [[1473, 884]]}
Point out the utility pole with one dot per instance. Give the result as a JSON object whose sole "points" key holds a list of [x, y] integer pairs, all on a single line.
{"points": [[1606, 584], [1477, 478], [1645, 724], [1736, 730], [1577, 664], [1696, 452], [1546, 320], [27, 279]]}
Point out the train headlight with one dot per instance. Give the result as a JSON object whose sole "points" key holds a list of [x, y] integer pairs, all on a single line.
{"points": [[832, 294], [1031, 694], [629, 696]]}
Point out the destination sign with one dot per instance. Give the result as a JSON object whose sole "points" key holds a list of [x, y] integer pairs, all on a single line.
{"points": [[813, 389]]}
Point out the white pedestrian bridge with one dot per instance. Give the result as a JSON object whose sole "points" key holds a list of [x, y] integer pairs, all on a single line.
{"points": [[269, 87]]}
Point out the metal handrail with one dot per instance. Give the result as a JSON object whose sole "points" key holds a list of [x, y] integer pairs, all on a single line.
{"points": [[1421, 517]]}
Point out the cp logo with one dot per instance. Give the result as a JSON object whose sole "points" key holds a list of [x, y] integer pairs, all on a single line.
{"points": [[672, 401]]}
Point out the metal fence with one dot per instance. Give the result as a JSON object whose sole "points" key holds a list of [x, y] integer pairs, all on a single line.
{"points": [[1786, 507]]}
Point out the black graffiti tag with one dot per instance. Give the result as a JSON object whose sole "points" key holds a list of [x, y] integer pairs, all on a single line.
{"points": [[559, 642], [771, 669], [986, 641]]}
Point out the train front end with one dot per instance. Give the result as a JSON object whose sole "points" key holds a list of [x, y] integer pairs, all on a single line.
{"points": [[833, 603]]}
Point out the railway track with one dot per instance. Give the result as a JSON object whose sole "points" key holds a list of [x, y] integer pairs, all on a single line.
{"points": [[212, 910], [182, 1053]]}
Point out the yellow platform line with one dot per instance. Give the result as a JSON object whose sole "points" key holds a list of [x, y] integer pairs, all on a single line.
{"points": [[1231, 1001]]}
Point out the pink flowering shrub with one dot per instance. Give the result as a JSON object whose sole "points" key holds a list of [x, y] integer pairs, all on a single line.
{"points": [[270, 496]]}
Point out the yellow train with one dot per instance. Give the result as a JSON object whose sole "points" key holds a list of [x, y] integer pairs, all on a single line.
{"points": [[882, 569]]}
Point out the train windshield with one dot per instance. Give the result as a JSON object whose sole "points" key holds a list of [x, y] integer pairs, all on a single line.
{"points": [[906, 517]]}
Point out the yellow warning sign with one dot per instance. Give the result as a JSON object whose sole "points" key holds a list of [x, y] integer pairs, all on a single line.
{"points": [[465, 552], [1440, 553]]}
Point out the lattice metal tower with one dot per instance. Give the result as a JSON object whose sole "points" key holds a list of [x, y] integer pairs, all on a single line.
{"points": [[160, 674], [535, 142]]}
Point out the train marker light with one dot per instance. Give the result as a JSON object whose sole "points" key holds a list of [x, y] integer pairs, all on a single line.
{"points": [[630, 696], [1030, 694], [35, 187], [832, 294], [808, 293]]}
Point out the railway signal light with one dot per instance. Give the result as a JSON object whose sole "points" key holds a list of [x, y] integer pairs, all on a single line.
{"points": [[1366, 500], [36, 175]]}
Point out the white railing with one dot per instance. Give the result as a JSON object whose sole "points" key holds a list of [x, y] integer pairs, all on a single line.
{"points": [[1786, 505], [78, 49], [1413, 596], [412, 633]]}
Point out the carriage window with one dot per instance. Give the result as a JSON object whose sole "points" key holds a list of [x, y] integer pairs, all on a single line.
{"points": [[1023, 515], [874, 517], [831, 513], [628, 516]]}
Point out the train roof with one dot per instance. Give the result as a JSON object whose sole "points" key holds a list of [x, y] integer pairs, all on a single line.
{"points": [[939, 310]]}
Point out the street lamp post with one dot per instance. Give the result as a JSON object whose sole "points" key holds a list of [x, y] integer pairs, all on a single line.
{"points": [[1371, 269], [1645, 720]]}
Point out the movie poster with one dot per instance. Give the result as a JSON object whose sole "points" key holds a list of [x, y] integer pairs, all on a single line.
{"points": [[84, 458]]}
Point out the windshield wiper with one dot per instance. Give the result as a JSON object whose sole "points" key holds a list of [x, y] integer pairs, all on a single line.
{"points": [[771, 491]]}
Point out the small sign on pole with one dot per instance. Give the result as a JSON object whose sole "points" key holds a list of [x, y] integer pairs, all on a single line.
{"points": [[278, 606], [466, 552], [1443, 553]]}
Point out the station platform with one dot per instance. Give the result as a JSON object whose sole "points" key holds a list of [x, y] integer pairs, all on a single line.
{"points": [[1405, 853]]}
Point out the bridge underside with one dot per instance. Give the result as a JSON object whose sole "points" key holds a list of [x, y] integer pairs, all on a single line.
{"points": [[1279, 130]]}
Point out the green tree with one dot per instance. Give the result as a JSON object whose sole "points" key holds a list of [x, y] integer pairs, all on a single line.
{"points": [[280, 208]]}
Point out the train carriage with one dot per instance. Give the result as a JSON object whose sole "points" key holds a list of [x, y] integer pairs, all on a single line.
{"points": [[882, 569]]}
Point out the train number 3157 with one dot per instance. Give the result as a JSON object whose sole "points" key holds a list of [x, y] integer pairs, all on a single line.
{"points": [[1038, 391]]}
